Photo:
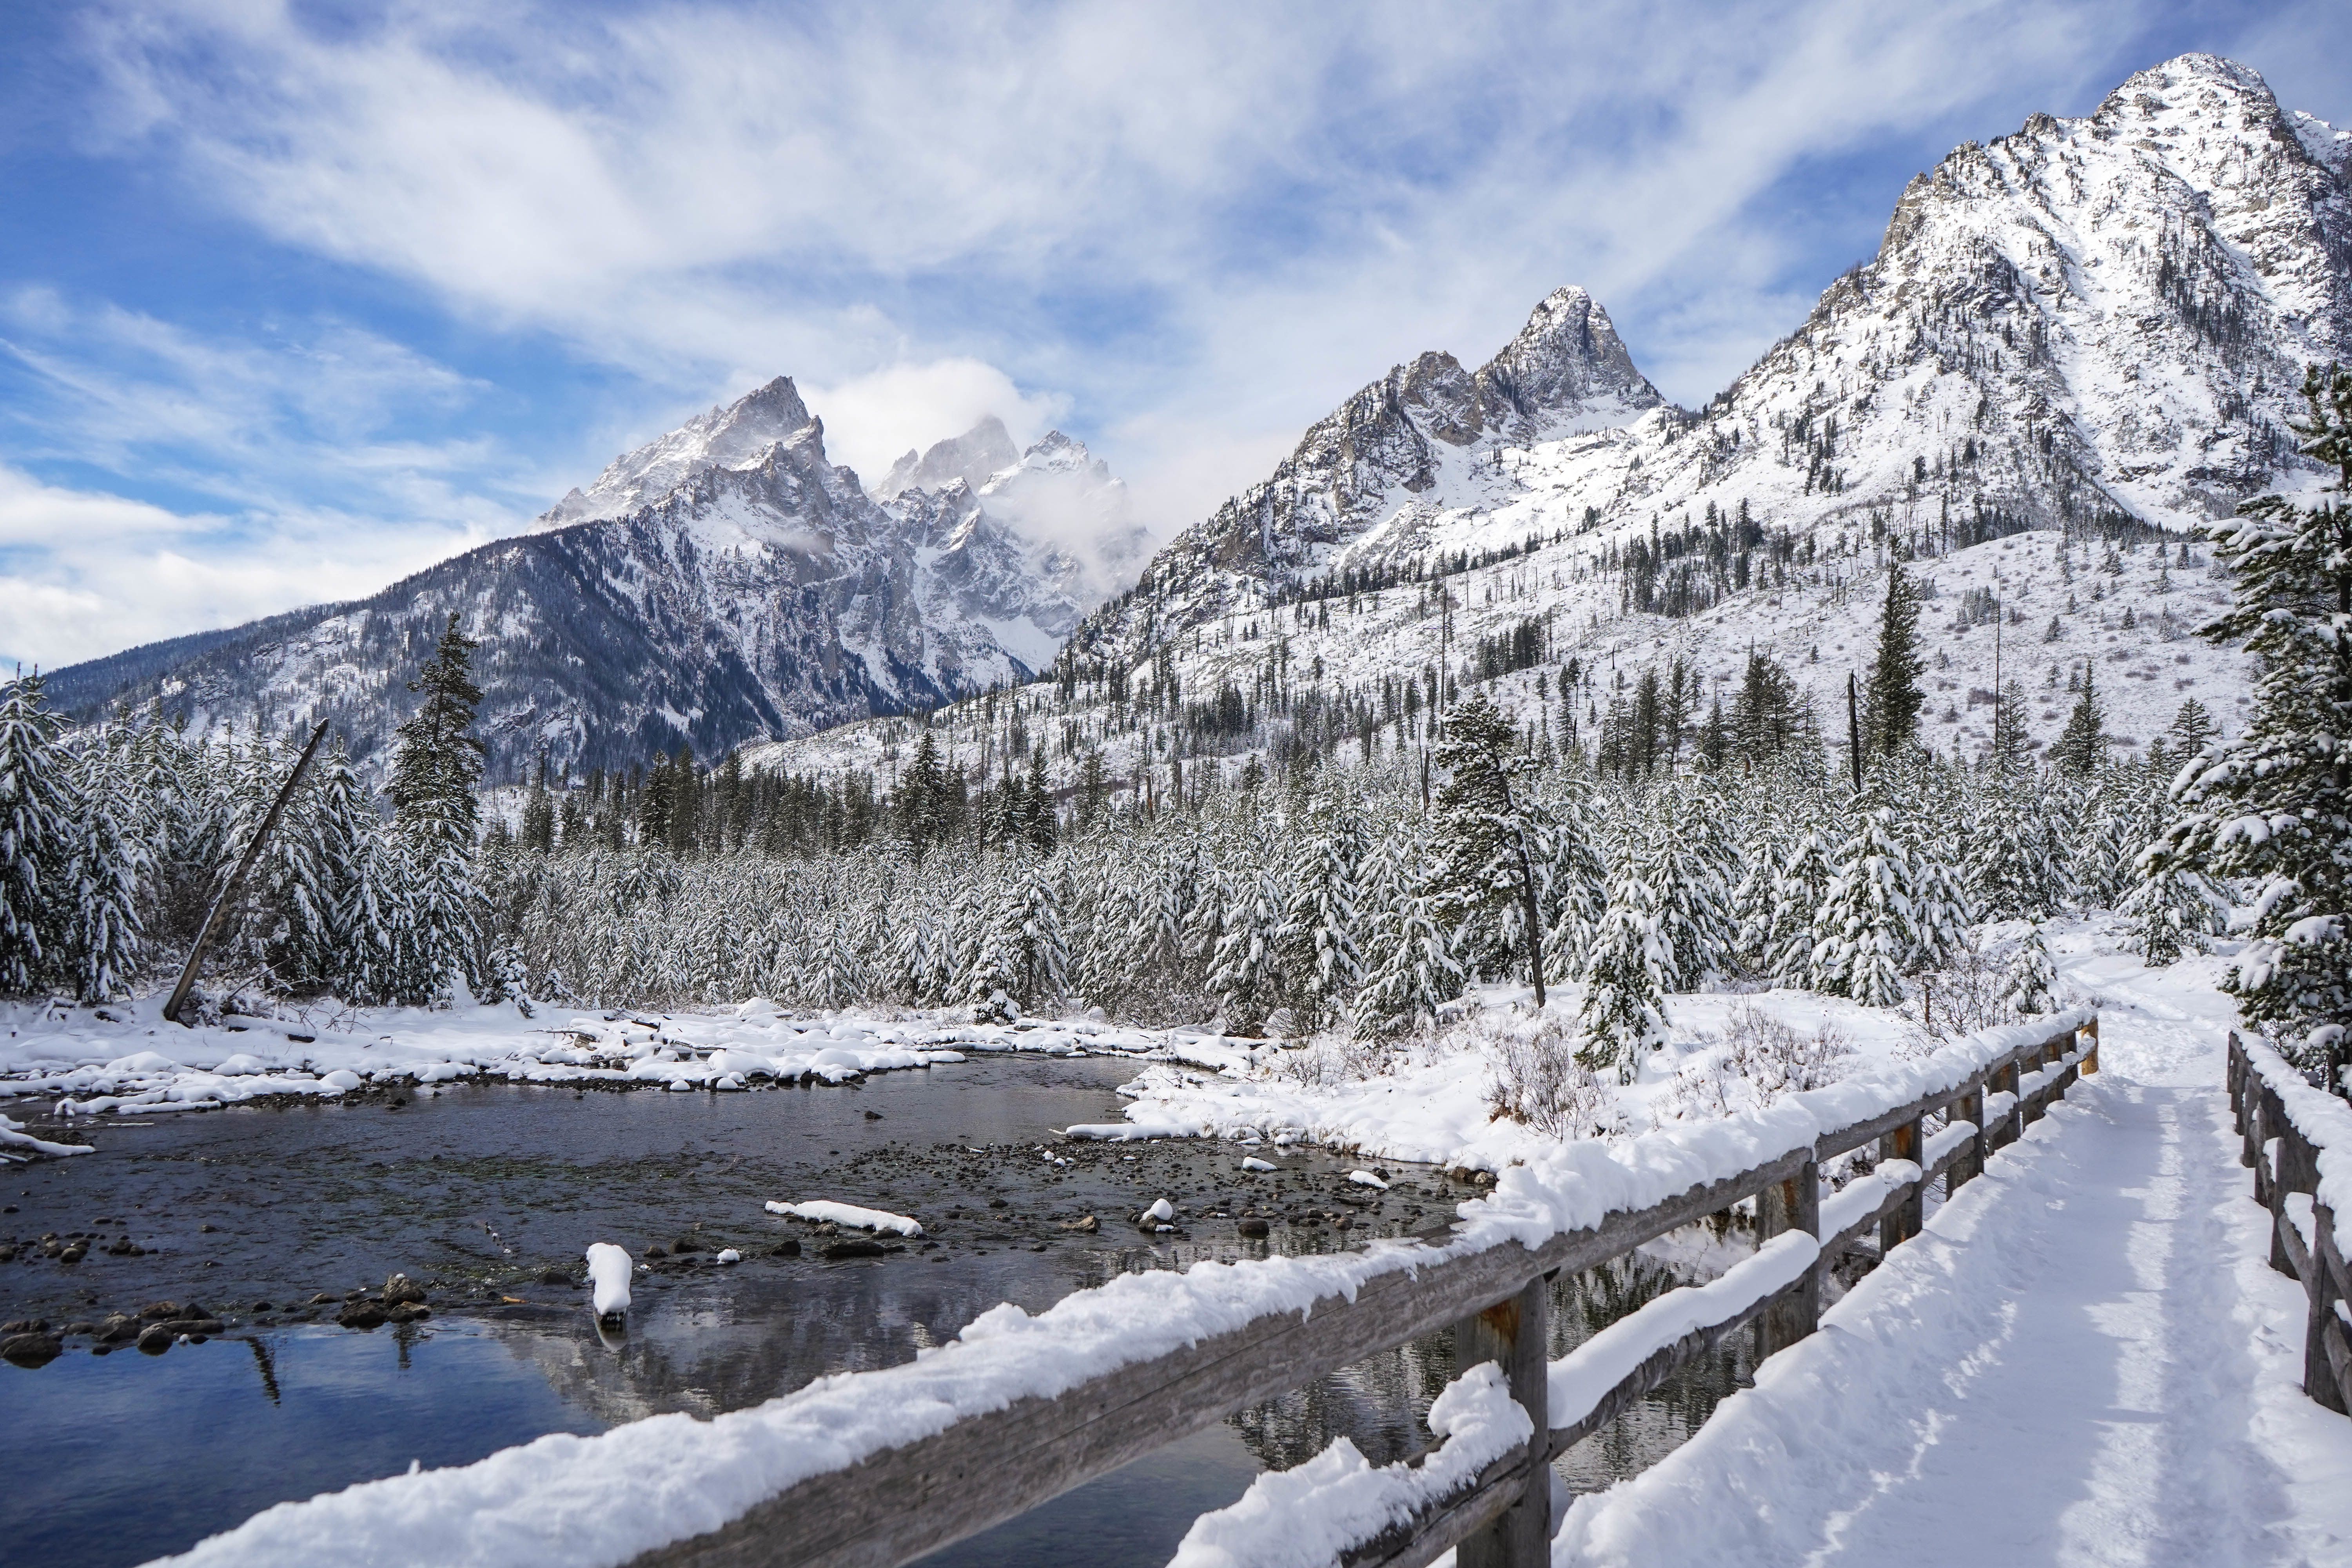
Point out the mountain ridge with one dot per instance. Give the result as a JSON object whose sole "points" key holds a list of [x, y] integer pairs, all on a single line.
{"points": [[759, 593]]}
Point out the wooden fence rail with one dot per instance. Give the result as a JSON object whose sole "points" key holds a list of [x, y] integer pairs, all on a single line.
{"points": [[2286, 1125], [896, 1504]]}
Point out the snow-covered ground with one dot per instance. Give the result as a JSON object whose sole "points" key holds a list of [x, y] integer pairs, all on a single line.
{"points": [[124, 1059], [2085, 1358]]}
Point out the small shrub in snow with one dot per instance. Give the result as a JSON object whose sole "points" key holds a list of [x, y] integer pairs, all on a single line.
{"points": [[1538, 1081], [1760, 1059], [1777, 1058], [1969, 995]]}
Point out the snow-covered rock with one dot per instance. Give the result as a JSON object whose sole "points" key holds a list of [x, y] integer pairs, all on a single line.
{"points": [[608, 1274]]}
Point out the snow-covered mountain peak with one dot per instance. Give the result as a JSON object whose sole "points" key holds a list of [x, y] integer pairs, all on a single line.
{"points": [[733, 436], [972, 457], [1566, 372]]}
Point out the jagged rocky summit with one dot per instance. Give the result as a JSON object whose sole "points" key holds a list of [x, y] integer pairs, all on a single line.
{"points": [[2098, 317], [725, 583]]}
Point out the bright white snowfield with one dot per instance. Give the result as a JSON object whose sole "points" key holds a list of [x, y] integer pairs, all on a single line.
{"points": [[2085, 1359]]}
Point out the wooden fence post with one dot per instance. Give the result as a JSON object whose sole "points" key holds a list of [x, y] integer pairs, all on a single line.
{"points": [[2319, 1376], [2011, 1081], [1904, 1220], [2280, 1175], [2028, 1114], [1792, 1205], [2090, 1052], [1970, 1107], [1514, 1334], [2250, 1116]]}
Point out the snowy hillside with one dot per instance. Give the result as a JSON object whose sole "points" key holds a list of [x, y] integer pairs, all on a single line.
{"points": [[2076, 344], [725, 583]]}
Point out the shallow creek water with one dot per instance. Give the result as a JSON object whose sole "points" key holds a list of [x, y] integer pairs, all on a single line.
{"points": [[488, 1195]]}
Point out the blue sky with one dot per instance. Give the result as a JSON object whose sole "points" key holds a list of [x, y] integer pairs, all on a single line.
{"points": [[296, 299]]}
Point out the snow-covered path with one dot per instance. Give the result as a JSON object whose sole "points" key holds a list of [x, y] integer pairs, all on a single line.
{"points": [[2085, 1360]]}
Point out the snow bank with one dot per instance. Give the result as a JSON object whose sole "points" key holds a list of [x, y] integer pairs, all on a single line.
{"points": [[16, 1145], [1430, 1105], [576, 1502], [1314, 1512], [131, 1061], [823, 1211], [608, 1271]]}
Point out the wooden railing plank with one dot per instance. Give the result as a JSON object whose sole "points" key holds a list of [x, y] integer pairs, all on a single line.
{"points": [[1658, 1366]]}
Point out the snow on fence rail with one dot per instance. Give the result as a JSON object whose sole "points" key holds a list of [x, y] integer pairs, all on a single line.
{"points": [[2298, 1140], [876, 1469]]}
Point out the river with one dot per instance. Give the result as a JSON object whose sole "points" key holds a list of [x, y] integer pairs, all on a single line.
{"points": [[488, 1195]]}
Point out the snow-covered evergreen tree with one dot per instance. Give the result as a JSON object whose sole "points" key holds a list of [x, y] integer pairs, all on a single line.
{"points": [[1316, 945], [1493, 857], [1246, 970], [1623, 1009], [436, 766], [2031, 978], [35, 835], [103, 887], [1415, 972], [2275, 806], [1868, 918]]}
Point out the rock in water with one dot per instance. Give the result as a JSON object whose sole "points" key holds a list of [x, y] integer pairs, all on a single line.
{"points": [[608, 1271]]}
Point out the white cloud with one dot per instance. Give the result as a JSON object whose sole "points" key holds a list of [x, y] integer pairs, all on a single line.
{"points": [[85, 574], [871, 419]]}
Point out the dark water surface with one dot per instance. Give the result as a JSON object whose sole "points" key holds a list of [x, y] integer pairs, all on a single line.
{"points": [[491, 1193]]}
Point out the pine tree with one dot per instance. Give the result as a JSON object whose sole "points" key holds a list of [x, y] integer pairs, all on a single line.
{"points": [[1893, 701], [1491, 849], [922, 797], [2171, 910], [2275, 806], [2031, 977], [36, 836], [1246, 970], [1797, 902], [2083, 743], [2192, 732], [1623, 1009], [436, 766], [1578, 888], [102, 889], [1411, 968], [1316, 943], [1868, 918]]}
